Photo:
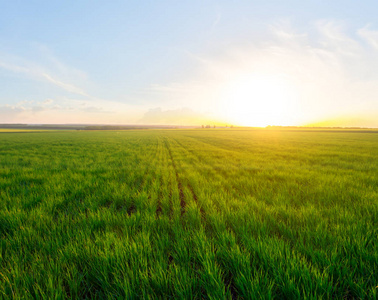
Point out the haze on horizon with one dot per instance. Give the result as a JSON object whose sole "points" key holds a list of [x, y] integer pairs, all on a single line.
{"points": [[251, 63]]}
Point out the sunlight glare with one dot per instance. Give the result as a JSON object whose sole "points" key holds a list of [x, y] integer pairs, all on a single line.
{"points": [[259, 100]]}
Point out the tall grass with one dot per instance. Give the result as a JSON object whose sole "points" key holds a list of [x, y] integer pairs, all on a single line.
{"points": [[189, 214]]}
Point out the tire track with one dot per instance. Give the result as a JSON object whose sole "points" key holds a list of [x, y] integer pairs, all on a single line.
{"points": [[159, 209], [179, 183], [213, 170], [193, 193], [228, 281], [195, 197]]}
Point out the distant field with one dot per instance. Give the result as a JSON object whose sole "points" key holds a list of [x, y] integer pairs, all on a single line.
{"points": [[7, 130], [176, 214]]}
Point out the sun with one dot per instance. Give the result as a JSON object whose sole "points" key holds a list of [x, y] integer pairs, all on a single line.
{"points": [[259, 100]]}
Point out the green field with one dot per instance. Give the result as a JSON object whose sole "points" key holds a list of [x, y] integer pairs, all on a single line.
{"points": [[177, 214]]}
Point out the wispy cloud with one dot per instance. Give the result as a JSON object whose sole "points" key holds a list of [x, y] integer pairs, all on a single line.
{"points": [[180, 116], [66, 86], [371, 36], [216, 21], [177, 87], [332, 67], [50, 71]]}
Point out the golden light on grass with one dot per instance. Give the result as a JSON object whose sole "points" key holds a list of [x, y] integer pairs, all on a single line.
{"points": [[259, 100]]}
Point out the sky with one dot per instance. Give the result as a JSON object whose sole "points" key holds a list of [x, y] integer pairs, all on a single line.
{"points": [[249, 63]]}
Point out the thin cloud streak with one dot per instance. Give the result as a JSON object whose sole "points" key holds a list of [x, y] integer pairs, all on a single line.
{"points": [[38, 72], [66, 86], [371, 36]]}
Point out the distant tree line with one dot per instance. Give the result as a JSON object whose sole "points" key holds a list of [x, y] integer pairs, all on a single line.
{"points": [[111, 127], [209, 126]]}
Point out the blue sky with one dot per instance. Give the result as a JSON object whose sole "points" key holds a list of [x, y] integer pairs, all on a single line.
{"points": [[185, 62]]}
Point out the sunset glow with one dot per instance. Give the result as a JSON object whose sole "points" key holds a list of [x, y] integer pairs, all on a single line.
{"points": [[258, 100]]}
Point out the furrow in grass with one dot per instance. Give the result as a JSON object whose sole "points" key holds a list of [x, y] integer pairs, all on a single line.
{"points": [[160, 173], [187, 183], [179, 184], [205, 170], [231, 282], [240, 244], [225, 281], [159, 196], [188, 175], [279, 234]]}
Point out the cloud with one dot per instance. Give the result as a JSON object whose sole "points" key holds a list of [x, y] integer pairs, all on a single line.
{"points": [[47, 111], [9, 113], [94, 109], [216, 21], [14, 68], [180, 116], [177, 87], [50, 70], [371, 36], [333, 37], [22, 109], [329, 67], [66, 86], [48, 101]]}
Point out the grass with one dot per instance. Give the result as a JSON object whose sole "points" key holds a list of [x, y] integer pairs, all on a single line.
{"points": [[208, 214]]}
